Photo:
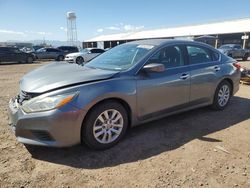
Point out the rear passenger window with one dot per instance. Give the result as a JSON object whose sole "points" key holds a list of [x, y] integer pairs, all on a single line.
{"points": [[52, 50], [99, 51], [237, 47], [199, 55]]}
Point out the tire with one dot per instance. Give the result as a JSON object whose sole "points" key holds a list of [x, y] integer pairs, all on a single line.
{"points": [[98, 131], [245, 57], [60, 58], [222, 95], [79, 60], [29, 59]]}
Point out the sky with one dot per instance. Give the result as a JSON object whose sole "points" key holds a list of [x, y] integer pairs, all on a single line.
{"points": [[26, 20]]}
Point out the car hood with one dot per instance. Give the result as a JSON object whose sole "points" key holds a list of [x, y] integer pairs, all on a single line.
{"points": [[76, 54], [61, 74]]}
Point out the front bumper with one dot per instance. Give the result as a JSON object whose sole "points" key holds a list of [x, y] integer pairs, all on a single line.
{"points": [[69, 59], [57, 128]]}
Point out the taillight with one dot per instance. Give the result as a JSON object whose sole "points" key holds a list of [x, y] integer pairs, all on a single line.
{"points": [[237, 65]]}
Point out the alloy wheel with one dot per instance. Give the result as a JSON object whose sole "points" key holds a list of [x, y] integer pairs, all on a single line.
{"points": [[223, 95], [108, 126]]}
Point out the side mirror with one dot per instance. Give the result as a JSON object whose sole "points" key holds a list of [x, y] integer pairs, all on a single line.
{"points": [[154, 67]]}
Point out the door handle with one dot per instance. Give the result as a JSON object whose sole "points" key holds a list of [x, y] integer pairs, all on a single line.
{"points": [[216, 68], [184, 76]]}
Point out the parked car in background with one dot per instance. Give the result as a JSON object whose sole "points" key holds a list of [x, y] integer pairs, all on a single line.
{"points": [[68, 49], [11, 54], [84, 56], [49, 53], [62, 104], [234, 51]]}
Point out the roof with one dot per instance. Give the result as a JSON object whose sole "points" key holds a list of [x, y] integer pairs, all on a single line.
{"points": [[160, 42], [225, 27], [154, 42]]}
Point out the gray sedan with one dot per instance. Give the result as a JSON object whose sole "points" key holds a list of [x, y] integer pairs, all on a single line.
{"points": [[63, 104], [49, 53]]}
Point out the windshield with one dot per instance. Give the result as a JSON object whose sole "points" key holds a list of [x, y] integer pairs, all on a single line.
{"points": [[85, 50], [41, 50], [226, 47], [121, 57]]}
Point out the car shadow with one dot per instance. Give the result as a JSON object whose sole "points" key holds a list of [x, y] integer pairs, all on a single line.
{"points": [[151, 139], [19, 63]]}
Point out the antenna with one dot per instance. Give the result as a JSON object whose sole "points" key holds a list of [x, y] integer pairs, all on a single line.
{"points": [[71, 29]]}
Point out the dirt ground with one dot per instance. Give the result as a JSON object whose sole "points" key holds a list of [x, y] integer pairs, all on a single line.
{"points": [[200, 148]]}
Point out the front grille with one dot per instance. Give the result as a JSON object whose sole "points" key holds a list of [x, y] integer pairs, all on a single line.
{"points": [[42, 135], [23, 96]]}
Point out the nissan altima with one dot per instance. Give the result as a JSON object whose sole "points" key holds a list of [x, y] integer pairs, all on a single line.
{"points": [[62, 104]]}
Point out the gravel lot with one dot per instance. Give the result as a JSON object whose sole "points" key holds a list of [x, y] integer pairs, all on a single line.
{"points": [[200, 148]]}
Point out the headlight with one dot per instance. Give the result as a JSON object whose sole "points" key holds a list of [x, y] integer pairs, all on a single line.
{"points": [[39, 104]]}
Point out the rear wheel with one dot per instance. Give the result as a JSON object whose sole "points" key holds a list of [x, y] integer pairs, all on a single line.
{"points": [[29, 59], [105, 125], [222, 95], [60, 58], [245, 57], [79, 60]]}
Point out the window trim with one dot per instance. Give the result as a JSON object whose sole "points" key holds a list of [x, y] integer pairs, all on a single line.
{"points": [[185, 55], [203, 47]]}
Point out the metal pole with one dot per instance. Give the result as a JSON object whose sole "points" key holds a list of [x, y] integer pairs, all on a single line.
{"points": [[244, 43], [216, 41], [75, 33]]}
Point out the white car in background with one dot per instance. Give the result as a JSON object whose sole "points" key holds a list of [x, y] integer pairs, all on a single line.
{"points": [[83, 56]]}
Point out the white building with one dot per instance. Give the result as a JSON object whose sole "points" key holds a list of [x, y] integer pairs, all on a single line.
{"points": [[232, 31]]}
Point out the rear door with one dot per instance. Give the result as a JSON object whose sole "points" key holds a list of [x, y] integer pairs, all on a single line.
{"points": [[160, 93], [205, 70]]}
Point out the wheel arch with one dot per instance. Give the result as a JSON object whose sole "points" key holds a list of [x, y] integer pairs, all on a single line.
{"points": [[114, 99], [230, 81], [79, 56]]}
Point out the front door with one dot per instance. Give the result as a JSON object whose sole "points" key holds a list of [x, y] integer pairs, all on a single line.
{"points": [[159, 93]]}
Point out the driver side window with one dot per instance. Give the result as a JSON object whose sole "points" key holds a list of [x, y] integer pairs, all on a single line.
{"points": [[170, 57]]}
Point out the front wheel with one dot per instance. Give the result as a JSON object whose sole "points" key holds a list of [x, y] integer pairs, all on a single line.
{"points": [[79, 60], [245, 57], [105, 125], [60, 58], [222, 95]]}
